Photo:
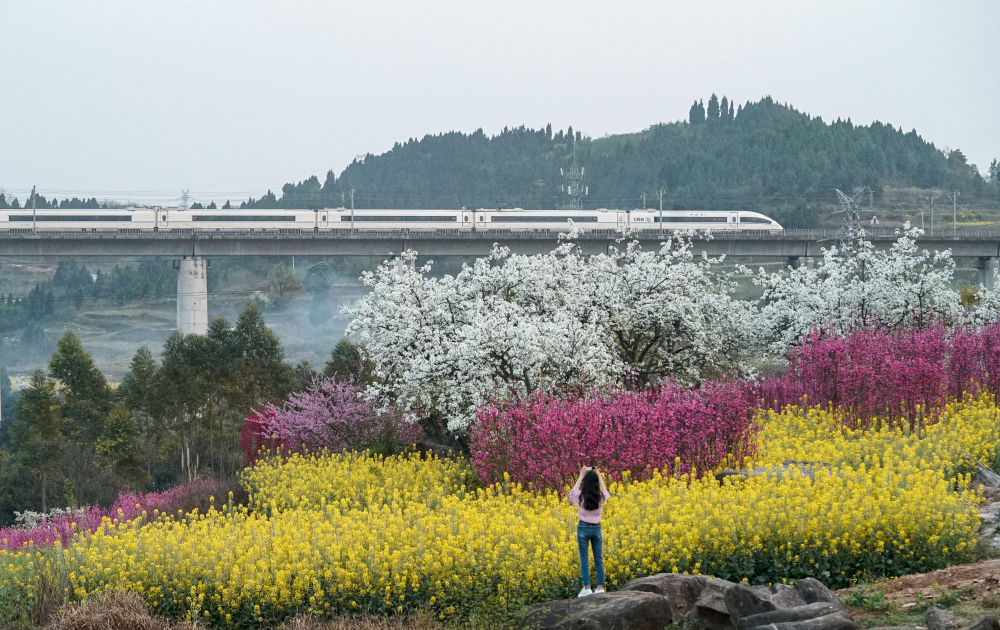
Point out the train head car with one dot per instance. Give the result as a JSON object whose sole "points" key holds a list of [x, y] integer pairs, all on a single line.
{"points": [[751, 221]]}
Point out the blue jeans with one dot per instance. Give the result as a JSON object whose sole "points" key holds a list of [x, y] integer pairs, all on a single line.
{"points": [[589, 534]]}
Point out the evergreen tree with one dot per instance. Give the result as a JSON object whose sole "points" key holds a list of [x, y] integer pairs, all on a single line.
{"points": [[119, 450], [697, 113], [713, 108], [36, 435], [995, 171], [347, 362], [138, 388], [7, 404], [724, 109], [139, 392], [87, 397], [259, 358]]}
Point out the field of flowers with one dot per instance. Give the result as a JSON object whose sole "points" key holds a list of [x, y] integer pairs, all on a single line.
{"points": [[342, 533]]}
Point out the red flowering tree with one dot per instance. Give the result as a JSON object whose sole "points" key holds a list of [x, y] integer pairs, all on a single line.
{"points": [[542, 440]]}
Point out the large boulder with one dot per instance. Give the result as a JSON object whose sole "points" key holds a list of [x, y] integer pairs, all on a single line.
{"points": [[832, 621], [986, 623], [710, 611], [943, 619], [786, 615], [812, 591], [743, 600], [621, 610], [987, 482], [681, 590]]}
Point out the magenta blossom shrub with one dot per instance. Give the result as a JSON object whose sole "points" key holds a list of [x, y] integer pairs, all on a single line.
{"points": [[543, 440], [868, 374], [905, 375], [333, 415], [974, 360], [87, 519]]}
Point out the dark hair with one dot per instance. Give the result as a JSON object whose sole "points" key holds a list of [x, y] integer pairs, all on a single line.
{"points": [[590, 490]]}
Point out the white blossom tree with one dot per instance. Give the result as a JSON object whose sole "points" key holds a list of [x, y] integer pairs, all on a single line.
{"points": [[902, 286], [987, 303], [511, 324]]}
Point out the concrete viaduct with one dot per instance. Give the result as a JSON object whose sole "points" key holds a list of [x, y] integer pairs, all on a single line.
{"points": [[191, 248]]}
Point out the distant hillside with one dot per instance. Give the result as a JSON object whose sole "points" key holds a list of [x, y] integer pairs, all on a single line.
{"points": [[764, 155]]}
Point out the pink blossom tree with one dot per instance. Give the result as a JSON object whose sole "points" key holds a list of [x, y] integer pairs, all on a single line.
{"points": [[330, 414]]}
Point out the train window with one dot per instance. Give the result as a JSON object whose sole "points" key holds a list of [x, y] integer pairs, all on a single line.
{"points": [[532, 218], [754, 220], [69, 217], [480, 218], [465, 217], [322, 217], [238, 217], [163, 217], [401, 218], [722, 219]]}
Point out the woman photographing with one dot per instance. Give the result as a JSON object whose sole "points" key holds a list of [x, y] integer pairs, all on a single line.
{"points": [[589, 494]]}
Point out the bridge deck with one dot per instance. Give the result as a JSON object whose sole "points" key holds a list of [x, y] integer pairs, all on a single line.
{"points": [[226, 242]]}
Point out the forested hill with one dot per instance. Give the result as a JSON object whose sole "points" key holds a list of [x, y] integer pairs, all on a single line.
{"points": [[762, 155]]}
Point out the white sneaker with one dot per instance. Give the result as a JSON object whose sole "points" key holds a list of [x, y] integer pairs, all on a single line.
{"points": [[585, 591], [599, 589]]}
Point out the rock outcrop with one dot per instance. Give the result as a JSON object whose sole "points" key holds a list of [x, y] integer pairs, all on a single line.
{"points": [[943, 619], [699, 602], [681, 591], [621, 610]]}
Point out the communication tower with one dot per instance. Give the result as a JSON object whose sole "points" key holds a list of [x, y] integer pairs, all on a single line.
{"points": [[574, 185]]}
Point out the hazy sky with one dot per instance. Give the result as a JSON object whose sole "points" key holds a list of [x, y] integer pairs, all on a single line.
{"points": [[138, 100]]}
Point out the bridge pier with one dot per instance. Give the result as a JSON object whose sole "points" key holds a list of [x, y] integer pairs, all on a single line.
{"points": [[192, 296], [801, 261], [402, 265], [988, 267]]}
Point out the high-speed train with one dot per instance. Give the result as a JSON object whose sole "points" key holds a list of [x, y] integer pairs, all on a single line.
{"points": [[335, 219]]}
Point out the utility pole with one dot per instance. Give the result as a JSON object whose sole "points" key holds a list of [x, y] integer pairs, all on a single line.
{"points": [[352, 208], [643, 201], [954, 212], [932, 198], [660, 195], [33, 215]]}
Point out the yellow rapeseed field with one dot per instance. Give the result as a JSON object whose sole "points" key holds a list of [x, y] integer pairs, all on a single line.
{"points": [[342, 533]]}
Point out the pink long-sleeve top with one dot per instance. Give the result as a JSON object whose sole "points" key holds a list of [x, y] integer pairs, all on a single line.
{"points": [[588, 516]]}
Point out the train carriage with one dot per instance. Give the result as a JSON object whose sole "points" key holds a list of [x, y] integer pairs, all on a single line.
{"points": [[90, 220], [341, 219]]}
